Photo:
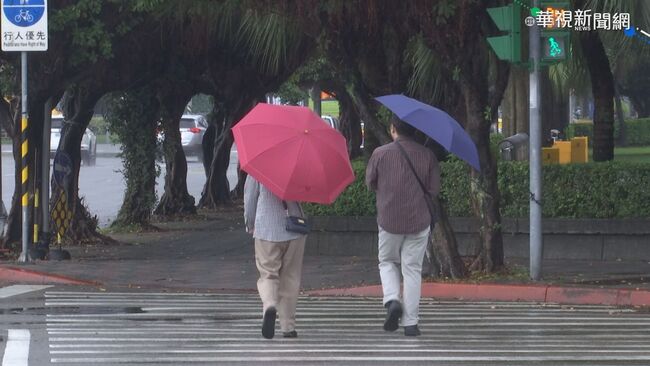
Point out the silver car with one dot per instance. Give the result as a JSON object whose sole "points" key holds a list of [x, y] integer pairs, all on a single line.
{"points": [[88, 142], [192, 128], [332, 121]]}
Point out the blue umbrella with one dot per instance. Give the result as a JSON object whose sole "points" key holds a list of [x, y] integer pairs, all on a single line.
{"points": [[435, 123]]}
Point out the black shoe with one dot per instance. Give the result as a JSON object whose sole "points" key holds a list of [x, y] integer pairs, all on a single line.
{"points": [[292, 334], [268, 324], [393, 314], [412, 331]]}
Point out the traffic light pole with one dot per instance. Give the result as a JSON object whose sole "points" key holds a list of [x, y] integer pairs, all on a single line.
{"points": [[536, 244]]}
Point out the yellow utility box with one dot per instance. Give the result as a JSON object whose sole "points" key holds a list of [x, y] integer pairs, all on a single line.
{"points": [[550, 155], [565, 151], [579, 150]]}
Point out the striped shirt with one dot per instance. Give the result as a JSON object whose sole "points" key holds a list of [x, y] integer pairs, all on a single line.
{"points": [[401, 208], [265, 214]]}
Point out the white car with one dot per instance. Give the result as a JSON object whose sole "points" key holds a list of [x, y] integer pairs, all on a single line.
{"points": [[88, 142], [192, 128], [332, 121]]}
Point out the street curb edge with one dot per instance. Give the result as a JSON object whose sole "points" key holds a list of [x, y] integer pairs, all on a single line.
{"points": [[22, 275], [511, 293]]}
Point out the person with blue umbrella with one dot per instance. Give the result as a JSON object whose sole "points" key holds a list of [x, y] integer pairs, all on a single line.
{"points": [[405, 176]]}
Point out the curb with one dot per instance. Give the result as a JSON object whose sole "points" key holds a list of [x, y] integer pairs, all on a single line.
{"points": [[22, 275], [511, 293]]}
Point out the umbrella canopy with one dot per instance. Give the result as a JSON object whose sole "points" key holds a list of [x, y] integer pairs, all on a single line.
{"points": [[293, 153], [435, 123]]}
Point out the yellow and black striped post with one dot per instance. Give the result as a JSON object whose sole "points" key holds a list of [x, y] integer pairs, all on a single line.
{"points": [[24, 154], [36, 215]]}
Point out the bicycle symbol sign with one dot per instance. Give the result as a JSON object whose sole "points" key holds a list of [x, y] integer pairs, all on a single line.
{"points": [[23, 13]]}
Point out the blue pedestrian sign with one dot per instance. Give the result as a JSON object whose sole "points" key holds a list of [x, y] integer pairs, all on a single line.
{"points": [[24, 13], [62, 169], [24, 25]]}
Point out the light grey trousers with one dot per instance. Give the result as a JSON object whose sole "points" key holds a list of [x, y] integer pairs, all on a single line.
{"points": [[280, 267], [407, 251]]}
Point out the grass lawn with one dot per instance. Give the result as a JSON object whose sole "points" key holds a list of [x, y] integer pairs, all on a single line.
{"points": [[637, 154], [328, 107]]}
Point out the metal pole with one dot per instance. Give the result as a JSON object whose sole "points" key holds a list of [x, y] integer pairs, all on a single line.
{"points": [[536, 244], [45, 182], [24, 256]]}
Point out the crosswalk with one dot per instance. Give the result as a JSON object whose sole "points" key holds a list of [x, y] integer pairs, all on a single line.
{"points": [[111, 328]]}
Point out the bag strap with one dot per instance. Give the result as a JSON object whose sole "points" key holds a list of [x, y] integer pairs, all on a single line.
{"points": [[410, 164], [286, 209]]}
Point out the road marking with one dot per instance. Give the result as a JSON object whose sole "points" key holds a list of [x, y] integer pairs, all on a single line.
{"points": [[223, 329], [17, 350], [394, 359], [14, 290]]}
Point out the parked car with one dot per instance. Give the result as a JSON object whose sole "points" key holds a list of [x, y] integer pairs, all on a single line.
{"points": [[332, 121], [192, 129], [88, 142]]}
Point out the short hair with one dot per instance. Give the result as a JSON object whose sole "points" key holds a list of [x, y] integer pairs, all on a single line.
{"points": [[403, 128]]}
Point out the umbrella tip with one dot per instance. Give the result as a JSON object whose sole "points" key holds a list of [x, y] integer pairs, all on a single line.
{"points": [[306, 132]]}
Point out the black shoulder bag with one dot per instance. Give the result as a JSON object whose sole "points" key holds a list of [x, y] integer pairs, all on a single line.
{"points": [[296, 224], [427, 195]]}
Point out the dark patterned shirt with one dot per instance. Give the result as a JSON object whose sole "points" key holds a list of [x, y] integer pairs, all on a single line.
{"points": [[401, 208]]}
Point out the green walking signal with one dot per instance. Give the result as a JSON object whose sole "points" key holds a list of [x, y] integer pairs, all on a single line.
{"points": [[508, 19]]}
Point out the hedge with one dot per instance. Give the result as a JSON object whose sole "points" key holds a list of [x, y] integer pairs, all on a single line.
{"points": [[592, 190], [637, 131]]}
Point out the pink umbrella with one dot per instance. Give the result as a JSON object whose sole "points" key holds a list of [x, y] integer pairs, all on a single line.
{"points": [[293, 153]]}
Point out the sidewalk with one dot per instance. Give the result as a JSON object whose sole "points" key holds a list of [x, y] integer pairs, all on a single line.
{"points": [[214, 253]]}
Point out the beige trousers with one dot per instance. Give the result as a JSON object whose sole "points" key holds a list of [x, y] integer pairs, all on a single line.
{"points": [[280, 267], [403, 252]]}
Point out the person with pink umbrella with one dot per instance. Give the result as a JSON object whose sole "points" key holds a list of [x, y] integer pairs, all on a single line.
{"points": [[278, 255], [291, 155]]}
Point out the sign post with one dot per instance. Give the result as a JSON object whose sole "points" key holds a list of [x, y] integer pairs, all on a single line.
{"points": [[24, 28]]}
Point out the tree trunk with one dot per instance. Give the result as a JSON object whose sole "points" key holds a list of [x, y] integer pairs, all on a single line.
{"points": [[444, 247], [620, 119], [175, 200], [602, 87], [78, 111], [350, 124], [217, 188], [484, 189], [315, 97], [376, 133], [238, 192], [135, 122], [522, 100]]}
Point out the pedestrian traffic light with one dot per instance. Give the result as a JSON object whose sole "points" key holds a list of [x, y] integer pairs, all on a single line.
{"points": [[556, 19], [554, 48], [508, 46]]}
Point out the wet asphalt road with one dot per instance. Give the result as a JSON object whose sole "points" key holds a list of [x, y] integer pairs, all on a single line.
{"points": [[90, 326], [102, 185]]}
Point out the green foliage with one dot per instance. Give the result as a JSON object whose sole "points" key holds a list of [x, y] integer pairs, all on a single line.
{"points": [[637, 131], [579, 129], [593, 190], [291, 93], [133, 117], [86, 24], [98, 125], [356, 200], [200, 104]]}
